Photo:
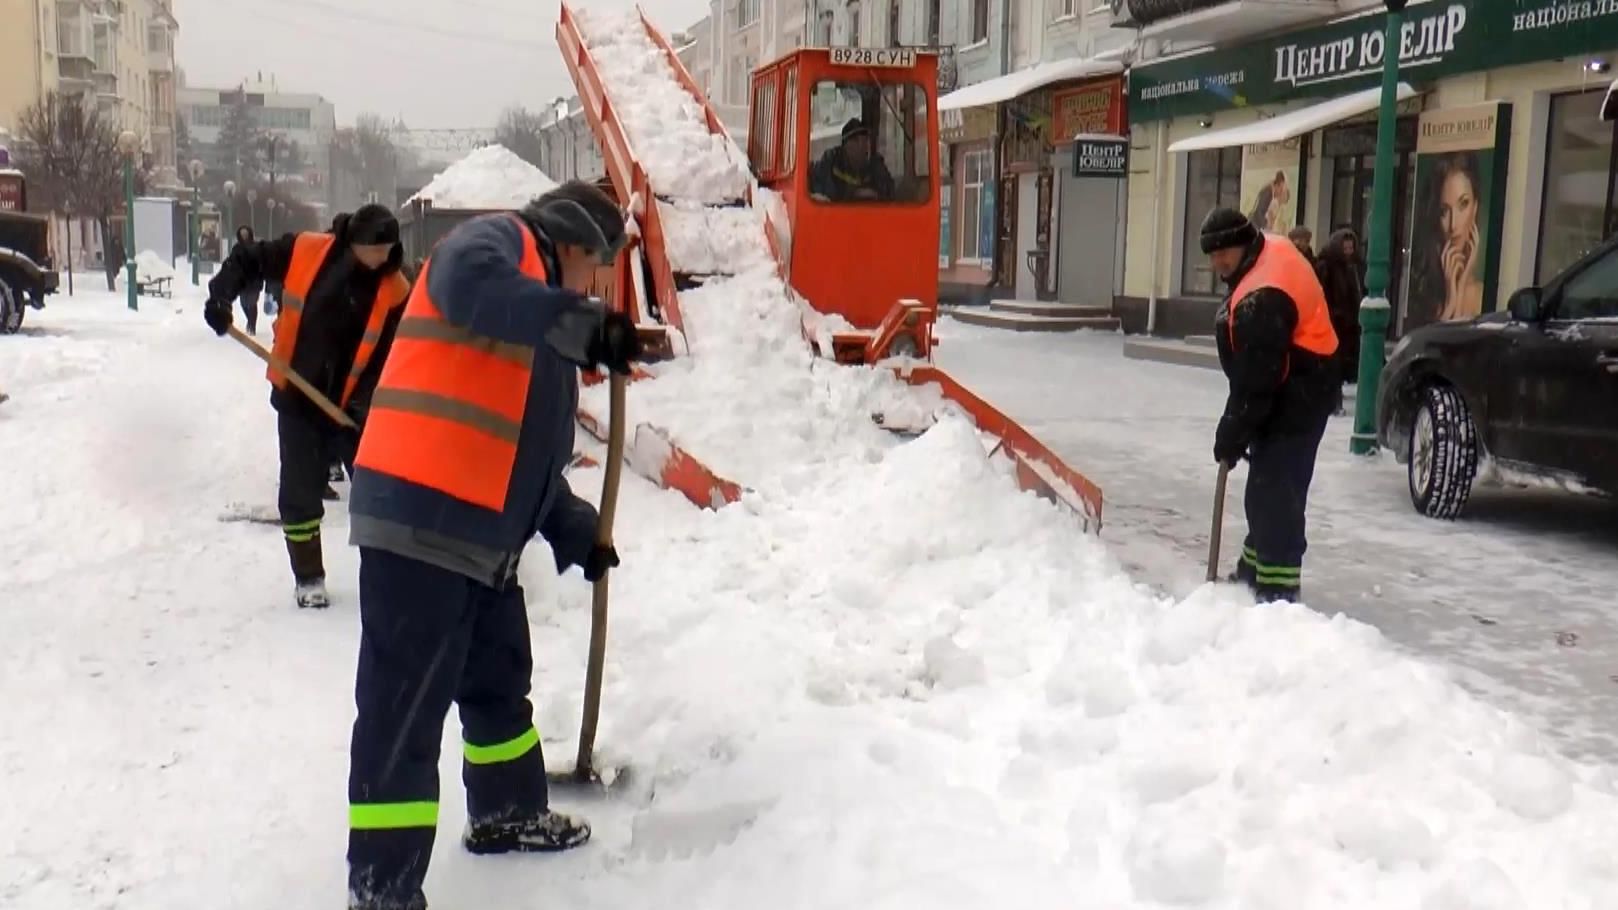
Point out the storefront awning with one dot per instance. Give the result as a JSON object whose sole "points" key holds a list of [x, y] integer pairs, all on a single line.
{"points": [[1292, 123], [1609, 104], [1011, 85]]}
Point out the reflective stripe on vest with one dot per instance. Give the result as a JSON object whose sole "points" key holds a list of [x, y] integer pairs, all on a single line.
{"points": [[1282, 267], [449, 408], [391, 294]]}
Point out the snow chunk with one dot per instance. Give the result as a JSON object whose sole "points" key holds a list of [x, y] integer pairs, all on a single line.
{"points": [[713, 241], [492, 177], [1531, 787], [949, 666], [663, 122]]}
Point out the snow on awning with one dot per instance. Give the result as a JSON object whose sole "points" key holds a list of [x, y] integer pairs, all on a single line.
{"points": [[1609, 104], [1292, 123], [1009, 86]]}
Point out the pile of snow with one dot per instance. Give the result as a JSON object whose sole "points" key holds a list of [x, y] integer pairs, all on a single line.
{"points": [[662, 121], [712, 241], [148, 264], [492, 177]]}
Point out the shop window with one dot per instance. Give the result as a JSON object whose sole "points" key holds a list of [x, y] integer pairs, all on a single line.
{"points": [[977, 172], [885, 157], [1213, 179], [1577, 213]]}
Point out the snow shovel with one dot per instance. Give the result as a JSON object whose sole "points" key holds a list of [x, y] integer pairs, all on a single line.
{"points": [[1218, 528], [584, 772], [321, 401]]}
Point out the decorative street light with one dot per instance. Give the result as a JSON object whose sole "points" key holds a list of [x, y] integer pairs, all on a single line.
{"points": [[67, 209], [230, 209], [252, 210], [1375, 310], [129, 144], [271, 204], [196, 220]]}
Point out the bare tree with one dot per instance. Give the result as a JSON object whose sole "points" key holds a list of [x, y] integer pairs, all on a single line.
{"points": [[73, 153], [520, 130]]}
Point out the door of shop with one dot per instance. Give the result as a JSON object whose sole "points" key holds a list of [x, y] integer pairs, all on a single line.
{"points": [[1351, 148]]}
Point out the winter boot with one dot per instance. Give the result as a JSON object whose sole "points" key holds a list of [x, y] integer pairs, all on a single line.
{"points": [[548, 833], [309, 571]]}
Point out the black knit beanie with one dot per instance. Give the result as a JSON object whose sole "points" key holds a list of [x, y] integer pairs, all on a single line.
{"points": [[1225, 228], [578, 214], [373, 225]]}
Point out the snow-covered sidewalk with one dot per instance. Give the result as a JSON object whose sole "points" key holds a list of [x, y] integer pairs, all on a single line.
{"points": [[893, 683], [1518, 595]]}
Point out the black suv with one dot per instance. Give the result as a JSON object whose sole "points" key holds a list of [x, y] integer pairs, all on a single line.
{"points": [[1535, 389]]}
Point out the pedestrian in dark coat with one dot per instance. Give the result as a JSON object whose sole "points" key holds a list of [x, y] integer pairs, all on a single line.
{"points": [[1338, 270], [1275, 345], [460, 466], [253, 289], [343, 297]]}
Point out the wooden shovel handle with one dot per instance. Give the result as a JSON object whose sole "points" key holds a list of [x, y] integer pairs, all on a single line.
{"points": [[1215, 532], [584, 764], [321, 401]]}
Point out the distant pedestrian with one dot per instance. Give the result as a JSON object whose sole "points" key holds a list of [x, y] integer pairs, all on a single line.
{"points": [[1303, 239], [253, 289], [1275, 345], [1339, 274], [113, 260]]}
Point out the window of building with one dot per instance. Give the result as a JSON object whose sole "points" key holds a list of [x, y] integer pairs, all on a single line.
{"points": [[746, 12], [1578, 209], [854, 23], [823, 29], [895, 11], [980, 21], [1065, 9], [885, 157], [977, 173], [1213, 179]]}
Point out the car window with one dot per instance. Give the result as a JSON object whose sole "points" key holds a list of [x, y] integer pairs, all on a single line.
{"points": [[1593, 292]]}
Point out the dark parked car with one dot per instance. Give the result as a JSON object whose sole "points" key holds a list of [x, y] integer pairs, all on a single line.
{"points": [[1535, 389]]}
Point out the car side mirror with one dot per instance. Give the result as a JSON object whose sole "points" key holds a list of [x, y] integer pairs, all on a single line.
{"points": [[1527, 305]]}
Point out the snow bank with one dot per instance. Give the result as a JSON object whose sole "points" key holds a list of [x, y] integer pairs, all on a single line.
{"points": [[492, 177], [149, 264], [661, 120]]}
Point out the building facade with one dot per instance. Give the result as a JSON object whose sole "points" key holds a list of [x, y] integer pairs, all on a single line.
{"points": [[1503, 165], [120, 53], [282, 117]]}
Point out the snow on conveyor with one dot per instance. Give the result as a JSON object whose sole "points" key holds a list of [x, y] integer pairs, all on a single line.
{"points": [[661, 120], [892, 685]]}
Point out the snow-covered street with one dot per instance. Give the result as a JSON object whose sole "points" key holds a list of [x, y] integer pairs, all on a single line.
{"points": [[1518, 596], [899, 685]]}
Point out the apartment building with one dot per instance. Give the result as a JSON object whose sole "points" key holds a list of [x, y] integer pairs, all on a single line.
{"points": [[120, 53], [305, 118]]}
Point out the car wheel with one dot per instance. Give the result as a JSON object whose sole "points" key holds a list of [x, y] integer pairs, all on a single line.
{"points": [[1443, 453], [11, 307]]}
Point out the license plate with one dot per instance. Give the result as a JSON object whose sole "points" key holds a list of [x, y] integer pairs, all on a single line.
{"points": [[884, 57]]}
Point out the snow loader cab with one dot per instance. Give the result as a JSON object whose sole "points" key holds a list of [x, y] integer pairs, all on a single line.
{"points": [[848, 138], [27, 273]]}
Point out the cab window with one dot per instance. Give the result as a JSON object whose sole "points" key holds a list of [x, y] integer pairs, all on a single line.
{"points": [[1593, 292], [868, 143]]}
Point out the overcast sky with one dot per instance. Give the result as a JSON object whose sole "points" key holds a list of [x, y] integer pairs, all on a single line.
{"points": [[436, 63]]}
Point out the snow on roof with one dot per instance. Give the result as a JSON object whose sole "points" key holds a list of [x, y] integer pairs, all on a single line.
{"points": [[492, 177]]}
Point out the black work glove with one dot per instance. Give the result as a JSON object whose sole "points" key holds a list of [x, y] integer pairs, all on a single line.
{"points": [[600, 559], [1230, 442], [616, 344], [218, 314]]}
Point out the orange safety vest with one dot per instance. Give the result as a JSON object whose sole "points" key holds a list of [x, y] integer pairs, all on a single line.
{"points": [[1282, 267], [448, 410], [308, 254]]}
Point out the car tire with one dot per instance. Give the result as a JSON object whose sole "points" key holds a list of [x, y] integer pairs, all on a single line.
{"points": [[11, 309], [1443, 455]]}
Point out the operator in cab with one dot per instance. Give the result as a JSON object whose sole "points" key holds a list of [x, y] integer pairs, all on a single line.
{"points": [[1275, 344], [851, 172]]}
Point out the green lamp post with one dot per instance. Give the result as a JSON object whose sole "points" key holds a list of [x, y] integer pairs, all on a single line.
{"points": [[1375, 311], [196, 220], [129, 144], [270, 204], [230, 210]]}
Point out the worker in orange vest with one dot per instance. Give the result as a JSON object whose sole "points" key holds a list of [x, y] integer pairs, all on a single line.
{"points": [[459, 467], [1275, 344], [342, 297]]}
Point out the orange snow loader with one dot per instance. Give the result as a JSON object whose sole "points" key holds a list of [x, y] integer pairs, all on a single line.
{"points": [[847, 140]]}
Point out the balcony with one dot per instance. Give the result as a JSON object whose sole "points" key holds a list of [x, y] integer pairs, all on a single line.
{"points": [[1197, 22], [75, 72]]}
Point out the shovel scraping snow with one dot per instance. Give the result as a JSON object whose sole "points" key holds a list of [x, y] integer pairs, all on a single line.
{"points": [[1215, 532], [321, 401]]}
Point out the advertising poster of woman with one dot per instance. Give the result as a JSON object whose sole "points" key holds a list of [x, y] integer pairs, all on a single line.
{"points": [[1455, 235], [1270, 185]]}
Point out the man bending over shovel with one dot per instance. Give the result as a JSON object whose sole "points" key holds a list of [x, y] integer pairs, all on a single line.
{"points": [[460, 465], [342, 296]]}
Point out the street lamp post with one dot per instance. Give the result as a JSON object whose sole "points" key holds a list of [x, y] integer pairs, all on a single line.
{"points": [[252, 210], [271, 205], [1375, 310], [129, 144], [230, 209], [196, 220]]}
